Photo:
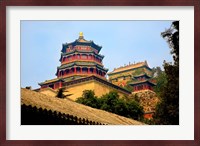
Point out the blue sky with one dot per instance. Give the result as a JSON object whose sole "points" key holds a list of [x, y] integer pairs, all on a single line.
{"points": [[122, 42]]}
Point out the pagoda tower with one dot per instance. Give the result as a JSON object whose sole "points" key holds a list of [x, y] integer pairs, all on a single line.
{"points": [[80, 58]]}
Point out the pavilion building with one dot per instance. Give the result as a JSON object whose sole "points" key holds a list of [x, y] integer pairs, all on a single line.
{"points": [[138, 78], [81, 58], [81, 69], [137, 75]]}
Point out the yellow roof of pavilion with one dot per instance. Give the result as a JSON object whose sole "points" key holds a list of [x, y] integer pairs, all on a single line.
{"points": [[128, 67]]}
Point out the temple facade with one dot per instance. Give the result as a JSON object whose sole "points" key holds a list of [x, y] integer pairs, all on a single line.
{"points": [[81, 68], [137, 75]]}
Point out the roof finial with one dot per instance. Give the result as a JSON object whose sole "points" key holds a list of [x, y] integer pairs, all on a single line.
{"points": [[80, 34]]}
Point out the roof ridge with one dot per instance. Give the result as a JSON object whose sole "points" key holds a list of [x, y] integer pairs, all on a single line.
{"points": [[129, 66]]}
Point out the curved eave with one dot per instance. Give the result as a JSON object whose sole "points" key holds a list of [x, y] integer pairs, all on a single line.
{"points": [[141, 82], [49, 81], [80, 51], [105, 69], [86, 64], [142, 75]]}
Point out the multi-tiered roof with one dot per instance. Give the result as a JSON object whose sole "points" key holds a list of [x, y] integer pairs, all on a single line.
{"points": [[138, 75], [81, 58], [142, 82], [78, 59]]}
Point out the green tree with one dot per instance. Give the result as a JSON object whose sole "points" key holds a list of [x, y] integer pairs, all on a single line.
{"points": [[88, 98], [134, 109], [156, 71], [111, 102], [127, 107], [108, 101], [61, 94], [167, 111], [160, 77]]}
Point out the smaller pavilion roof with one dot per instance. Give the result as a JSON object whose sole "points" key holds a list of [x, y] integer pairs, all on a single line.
{"points": [[141, 82], [129, 67], [142, 75]]}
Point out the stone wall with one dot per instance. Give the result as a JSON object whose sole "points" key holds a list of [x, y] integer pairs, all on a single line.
{"points": [[98, 87], [76, 90]]}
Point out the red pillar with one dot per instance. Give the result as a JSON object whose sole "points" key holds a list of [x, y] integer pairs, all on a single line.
{"points": [[74, 69], [60, 84], [94, 70]]}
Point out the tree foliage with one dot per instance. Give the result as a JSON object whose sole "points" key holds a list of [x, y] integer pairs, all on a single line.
{"points": [[111, 102], [160, 78], [167, 111], [88, 98], [61, 94]]}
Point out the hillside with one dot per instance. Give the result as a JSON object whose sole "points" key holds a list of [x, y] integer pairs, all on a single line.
{"points": [[29, 97], [147, 99]]}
